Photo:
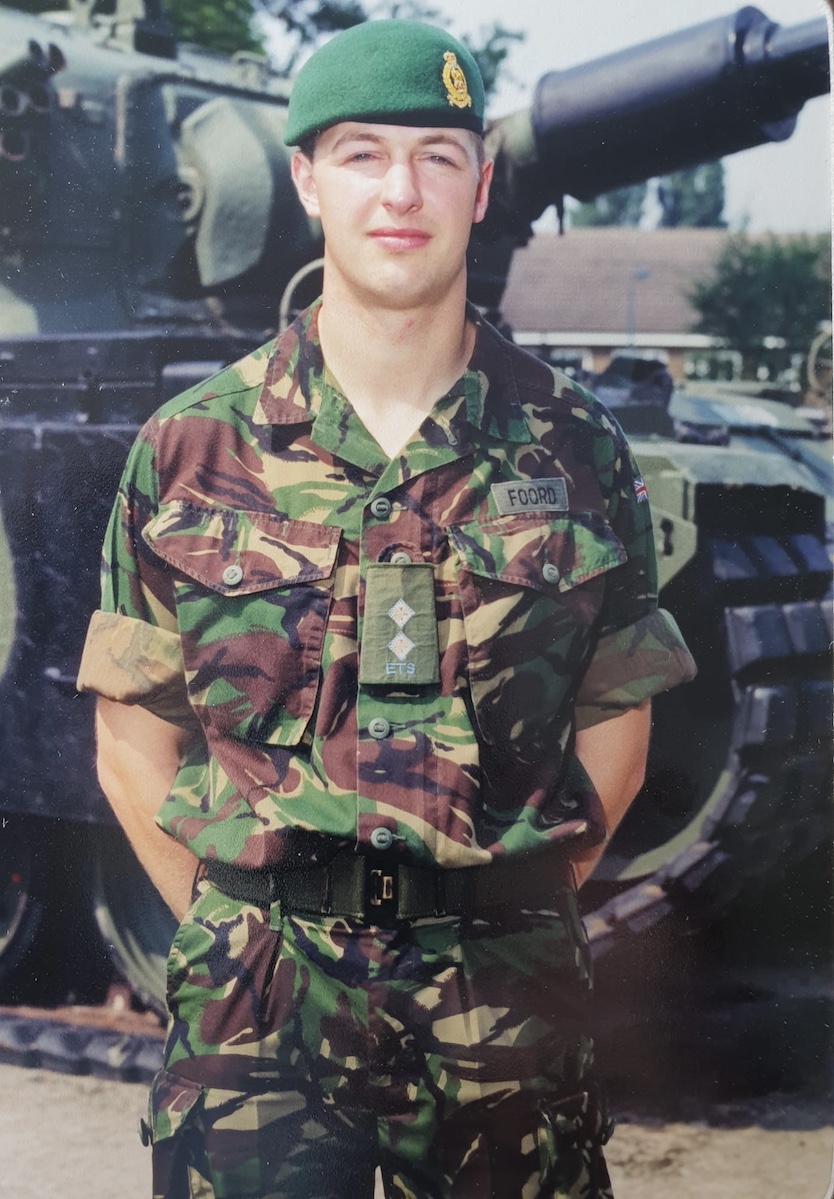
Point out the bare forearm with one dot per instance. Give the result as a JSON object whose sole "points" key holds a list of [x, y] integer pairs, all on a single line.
{"points": [[614, 755], [138, 758]]}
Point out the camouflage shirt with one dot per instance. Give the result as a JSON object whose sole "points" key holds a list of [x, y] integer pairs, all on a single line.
{"points": [[381, 651]]}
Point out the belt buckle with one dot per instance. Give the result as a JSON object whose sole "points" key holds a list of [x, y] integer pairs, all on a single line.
{"points": [[381, 892]]}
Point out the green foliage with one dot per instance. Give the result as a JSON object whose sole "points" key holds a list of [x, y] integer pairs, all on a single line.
{"points": [[766, 298], [221, 25], [226, 26], [623, 206], [490, 50], [693, 199], [305, 22]]}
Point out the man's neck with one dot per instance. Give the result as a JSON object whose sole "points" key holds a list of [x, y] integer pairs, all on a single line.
{"points": [[394, 365]]}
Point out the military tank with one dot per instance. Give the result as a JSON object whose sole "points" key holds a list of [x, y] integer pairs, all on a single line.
{"points": [[739, 779], [149, 234]]}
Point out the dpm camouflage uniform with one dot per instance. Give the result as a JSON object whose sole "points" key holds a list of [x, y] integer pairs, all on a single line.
{"points": [[387, 660]]}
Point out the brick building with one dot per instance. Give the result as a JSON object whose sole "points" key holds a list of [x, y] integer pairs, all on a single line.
{"points": [[593, 292]]}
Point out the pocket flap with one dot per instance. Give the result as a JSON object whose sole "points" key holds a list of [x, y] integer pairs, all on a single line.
{"points": [[171, 1103], [237, 552], [548, 555]]}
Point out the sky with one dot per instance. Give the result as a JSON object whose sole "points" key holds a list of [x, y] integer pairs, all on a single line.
{"points": [[782, 187]]}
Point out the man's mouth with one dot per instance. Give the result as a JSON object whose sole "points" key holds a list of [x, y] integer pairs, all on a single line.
{"points": [[395, 238]]}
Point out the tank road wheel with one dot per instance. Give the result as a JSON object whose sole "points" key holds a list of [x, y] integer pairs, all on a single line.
{"points": [[137, 926], [22, 880], [21, 873], [8, 600], [820, 365], [740, 772]]}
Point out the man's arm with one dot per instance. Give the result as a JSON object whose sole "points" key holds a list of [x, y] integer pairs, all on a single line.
{"points": [[614, 755], [138, 758]]}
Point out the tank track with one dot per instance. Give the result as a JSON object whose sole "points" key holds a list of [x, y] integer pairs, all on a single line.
{"points": [[47, 1043], [770, 661]]}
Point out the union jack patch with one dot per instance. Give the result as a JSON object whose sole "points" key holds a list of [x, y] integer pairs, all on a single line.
{"points": [[641, 490]]}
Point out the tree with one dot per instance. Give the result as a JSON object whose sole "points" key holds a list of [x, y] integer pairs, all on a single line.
{"points": [[693, 199], [623, 206], [307, 21], [226, 27], [490, 50], [766, 298]]}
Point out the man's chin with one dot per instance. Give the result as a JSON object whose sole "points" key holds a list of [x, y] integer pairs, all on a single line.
{"points": [[399, 290]]}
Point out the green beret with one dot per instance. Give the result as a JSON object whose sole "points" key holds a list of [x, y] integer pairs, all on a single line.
{"points": [[387, 72]]}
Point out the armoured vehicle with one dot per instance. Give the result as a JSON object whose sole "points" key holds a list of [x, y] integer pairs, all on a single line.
{"points": [[147, 233], [739, 784]]}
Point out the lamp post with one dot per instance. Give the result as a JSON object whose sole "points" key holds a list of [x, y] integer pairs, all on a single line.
{"points": [[635, 276]]}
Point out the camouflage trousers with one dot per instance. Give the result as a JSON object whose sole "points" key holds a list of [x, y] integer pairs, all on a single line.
{"points": [[303, 1052]]}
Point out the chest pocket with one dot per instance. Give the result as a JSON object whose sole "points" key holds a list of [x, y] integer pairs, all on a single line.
{"points": [[253, 594], [531, 589]]}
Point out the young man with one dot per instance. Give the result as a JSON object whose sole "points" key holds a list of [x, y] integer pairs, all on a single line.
{"points": [[360, 592]]}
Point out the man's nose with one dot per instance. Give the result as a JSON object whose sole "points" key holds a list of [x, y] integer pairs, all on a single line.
{"points": [[400, 188]]}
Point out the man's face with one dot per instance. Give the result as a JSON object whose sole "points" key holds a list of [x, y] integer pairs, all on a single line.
{"points": [[397, 205]]}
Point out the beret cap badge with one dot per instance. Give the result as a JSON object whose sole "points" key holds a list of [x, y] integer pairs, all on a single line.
{"points": [[455, 82], [391, 71]]}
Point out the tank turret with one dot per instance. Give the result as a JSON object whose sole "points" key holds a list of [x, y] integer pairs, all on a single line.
{"points": [[148, 232], [693, 96], [150, 185]]}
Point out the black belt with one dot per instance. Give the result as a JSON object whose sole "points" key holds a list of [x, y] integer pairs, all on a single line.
{"points": [[377, 892]]}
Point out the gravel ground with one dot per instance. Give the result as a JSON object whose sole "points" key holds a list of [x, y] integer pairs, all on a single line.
{"points": [[76, 1137]]}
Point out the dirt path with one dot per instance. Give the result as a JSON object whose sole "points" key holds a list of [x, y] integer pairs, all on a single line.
{"points": [[76, 1138], [692, 1161], [69, 1137]]}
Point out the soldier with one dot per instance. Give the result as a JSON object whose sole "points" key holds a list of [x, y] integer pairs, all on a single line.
{"points": [[378, 636]]}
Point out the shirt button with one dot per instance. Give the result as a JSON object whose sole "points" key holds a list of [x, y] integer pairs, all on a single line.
{"points": [[381, 507], [401, 558], [382, 838], [232, 576], [379, 728], [550, 573]]}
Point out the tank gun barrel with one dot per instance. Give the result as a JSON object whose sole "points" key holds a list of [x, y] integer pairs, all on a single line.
{"points": [[800, 54], [692, 96]]}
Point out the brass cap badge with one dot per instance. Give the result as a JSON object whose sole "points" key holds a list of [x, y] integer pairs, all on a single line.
{"points": [[455, 82]]}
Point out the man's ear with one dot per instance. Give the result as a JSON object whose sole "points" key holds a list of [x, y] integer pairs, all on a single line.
{"points": [[301, 169], [482, 194]]}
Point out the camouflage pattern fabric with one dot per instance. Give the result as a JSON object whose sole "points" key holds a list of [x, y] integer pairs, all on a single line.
{"points": [[248, 550], [303, 1052]]}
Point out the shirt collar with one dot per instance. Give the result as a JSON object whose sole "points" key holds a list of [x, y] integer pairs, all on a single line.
{"points": [[296, 380], [291, 392]]}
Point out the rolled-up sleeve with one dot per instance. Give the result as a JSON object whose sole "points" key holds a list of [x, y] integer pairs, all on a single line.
{"points": [[638, 650], [132, 662], [132, 653], [631, 665]]}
